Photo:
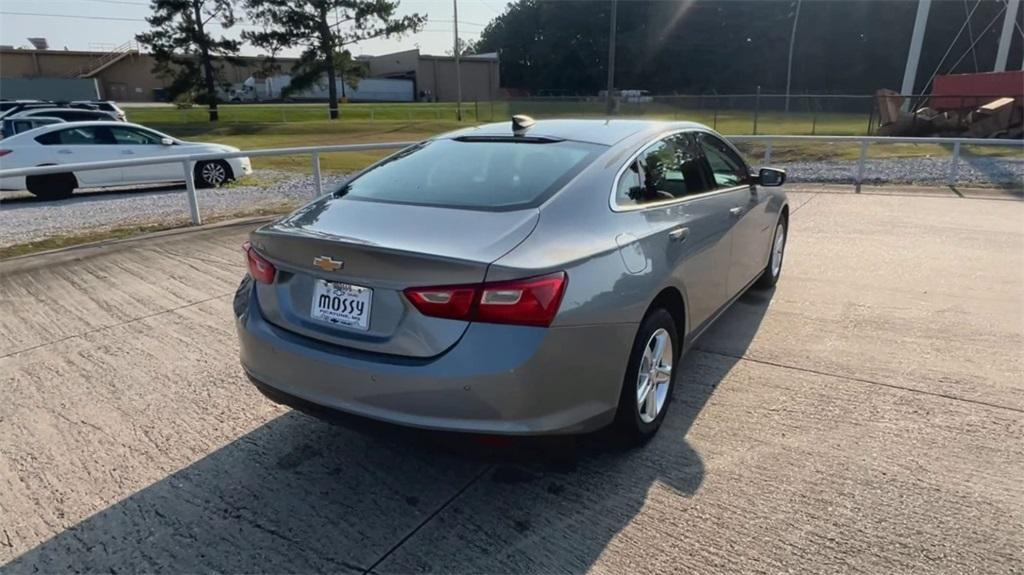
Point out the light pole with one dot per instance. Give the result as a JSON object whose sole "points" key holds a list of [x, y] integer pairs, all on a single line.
{"points": [[916, 40], [458, 71], [1006, 37], [608, 102], [792, 41]]}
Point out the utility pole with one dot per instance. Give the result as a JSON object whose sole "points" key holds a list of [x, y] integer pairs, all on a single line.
{"points": [[1006, 37], [609, 103], [792, 41], [916, 40], [458, 71]]}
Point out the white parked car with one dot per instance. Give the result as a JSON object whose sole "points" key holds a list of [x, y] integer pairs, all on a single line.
{"points": [[108, 106], [78, 142], [64, 113]]}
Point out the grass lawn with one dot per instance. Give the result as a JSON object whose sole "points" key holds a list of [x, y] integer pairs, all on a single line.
{"points": [[253, 126], [725, 121], [122, 232], [251, 136]]}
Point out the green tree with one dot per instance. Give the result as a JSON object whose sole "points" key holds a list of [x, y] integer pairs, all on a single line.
{"points": [[185, 51], [322, 28], [709, 46], [466, 48]]}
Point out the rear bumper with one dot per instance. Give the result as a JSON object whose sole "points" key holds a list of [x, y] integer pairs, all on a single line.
{"points": [[497, 379]]}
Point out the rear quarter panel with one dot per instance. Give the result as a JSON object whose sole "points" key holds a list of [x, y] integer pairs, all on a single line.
{"points": [[576, 232]]}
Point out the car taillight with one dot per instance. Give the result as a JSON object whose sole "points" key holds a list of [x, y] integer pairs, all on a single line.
{"points": [[4, 152], [259, 268], [531, 301]]}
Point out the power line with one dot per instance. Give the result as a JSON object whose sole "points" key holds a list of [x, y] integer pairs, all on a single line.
{"points": [[123, 2], [122, 19], [82, 17]]}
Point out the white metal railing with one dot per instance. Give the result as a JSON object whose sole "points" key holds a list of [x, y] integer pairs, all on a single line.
{"points": [[865, 141], [188, 161]]}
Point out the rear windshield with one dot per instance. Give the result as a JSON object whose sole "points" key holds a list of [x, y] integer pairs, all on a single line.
{"points": [[484, 175]]}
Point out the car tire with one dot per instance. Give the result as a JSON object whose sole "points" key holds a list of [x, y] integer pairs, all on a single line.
{"points": [[52, 186], [213, 174], [770, 276], [639, 414]]}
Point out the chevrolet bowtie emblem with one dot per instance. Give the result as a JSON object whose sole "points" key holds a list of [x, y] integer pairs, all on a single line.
{"points": [[327, 264]]}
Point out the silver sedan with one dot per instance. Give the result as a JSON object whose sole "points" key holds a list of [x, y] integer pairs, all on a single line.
{"points": [[515, 278]]}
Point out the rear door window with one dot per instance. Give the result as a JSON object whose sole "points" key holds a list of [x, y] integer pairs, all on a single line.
{"points": [[480, 174], [667, 170], [80, 136], [728, 168]]}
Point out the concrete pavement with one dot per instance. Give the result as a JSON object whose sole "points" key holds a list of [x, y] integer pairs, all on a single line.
{"points": [[866, 417]]}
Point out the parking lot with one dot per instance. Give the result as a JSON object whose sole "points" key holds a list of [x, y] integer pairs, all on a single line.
{"points": [[865, 417]]}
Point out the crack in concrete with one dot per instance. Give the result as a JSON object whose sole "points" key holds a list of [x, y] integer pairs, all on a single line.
{"points": [[112, 326], [860, 380], [428, 519]]}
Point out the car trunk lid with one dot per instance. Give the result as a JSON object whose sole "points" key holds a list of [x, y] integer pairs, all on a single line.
{"points": [[385, 247]]}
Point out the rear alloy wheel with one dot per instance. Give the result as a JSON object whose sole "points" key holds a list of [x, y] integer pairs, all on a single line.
{"points": [[770, 275], [650, 377], [52, 186], [212, 174]]}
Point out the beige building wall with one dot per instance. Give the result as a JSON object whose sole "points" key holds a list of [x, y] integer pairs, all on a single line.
{"points": [[131, 79], [395, 64], [437, 73]]}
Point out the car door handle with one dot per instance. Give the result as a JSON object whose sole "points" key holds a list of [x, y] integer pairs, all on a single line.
{"points": [[678, 234], [127, 153], [63, 151], [736, 212]]}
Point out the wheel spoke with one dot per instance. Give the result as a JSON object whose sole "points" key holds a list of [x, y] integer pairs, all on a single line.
{"points": [[643, 391], [662, 373], [652, 401], [659, 349]]}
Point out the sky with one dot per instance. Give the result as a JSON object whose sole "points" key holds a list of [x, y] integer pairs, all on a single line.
{"points": [[104, 24]]}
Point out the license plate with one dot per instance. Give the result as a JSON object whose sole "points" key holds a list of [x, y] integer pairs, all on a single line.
{"points": [[342, 304]]}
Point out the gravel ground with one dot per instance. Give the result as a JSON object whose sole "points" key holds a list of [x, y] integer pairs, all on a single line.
{"points": [[25, 219], [974, 170], [22, 219]]}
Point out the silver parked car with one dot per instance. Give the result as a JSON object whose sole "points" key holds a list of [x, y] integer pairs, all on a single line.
{"points": [[515, 278]]}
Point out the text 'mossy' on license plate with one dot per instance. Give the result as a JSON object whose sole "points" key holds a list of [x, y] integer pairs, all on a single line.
{"points": [[342, 304]]}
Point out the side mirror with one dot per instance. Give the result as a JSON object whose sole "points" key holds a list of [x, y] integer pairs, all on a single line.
{"points": [[771, 177], [166, 142]]}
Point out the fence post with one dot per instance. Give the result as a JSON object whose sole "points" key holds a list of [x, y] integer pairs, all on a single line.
{"points": [[954, 164], [190, 187], [476, 110], [757, 107], [714, 123], [767, 153], [860, 163], [318, 182]]}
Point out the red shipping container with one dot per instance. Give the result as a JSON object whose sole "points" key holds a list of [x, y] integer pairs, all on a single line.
{"points": [[957, 91]]}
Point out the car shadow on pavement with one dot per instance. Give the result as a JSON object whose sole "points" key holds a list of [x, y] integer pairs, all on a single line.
{"points": [[300, 495]]}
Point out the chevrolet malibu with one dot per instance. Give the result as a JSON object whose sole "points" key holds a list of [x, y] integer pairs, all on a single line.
{"points": [[516, 278]]}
